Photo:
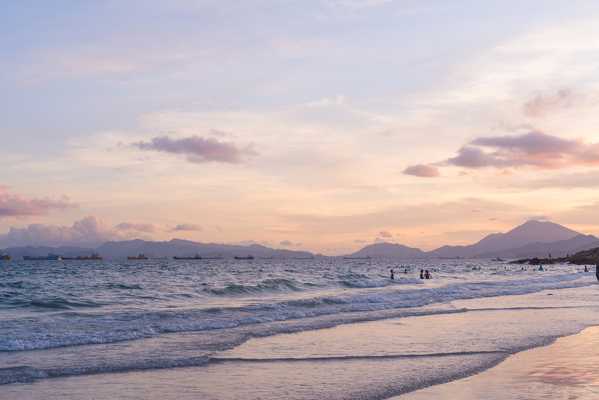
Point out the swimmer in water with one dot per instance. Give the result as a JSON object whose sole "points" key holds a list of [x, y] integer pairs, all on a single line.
{"points": [[392, 276], [585, 269], [405, 271], [597, 270], [427, 275], [421, 274]]}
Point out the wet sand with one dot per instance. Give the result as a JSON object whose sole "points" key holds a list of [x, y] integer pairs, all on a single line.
{"points": [[567, 369]]}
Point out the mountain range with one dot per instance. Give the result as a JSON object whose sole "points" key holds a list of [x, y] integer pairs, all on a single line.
{"points": [[531, 239]]}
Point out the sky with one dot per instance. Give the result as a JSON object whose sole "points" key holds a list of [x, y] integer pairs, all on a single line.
{"points": [[322, 126]]}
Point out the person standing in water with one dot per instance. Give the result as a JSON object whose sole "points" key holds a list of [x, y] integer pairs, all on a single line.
{"points": [[427, 275], [392, 276], [421, 274], [597, 270]]}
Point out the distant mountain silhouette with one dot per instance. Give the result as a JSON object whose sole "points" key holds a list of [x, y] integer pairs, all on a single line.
{"points": [[527, 233], [531, 239], [542, 250], [389, 250]]}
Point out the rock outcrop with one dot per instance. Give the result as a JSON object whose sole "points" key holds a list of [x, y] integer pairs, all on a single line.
{"points": [[586, 257]]}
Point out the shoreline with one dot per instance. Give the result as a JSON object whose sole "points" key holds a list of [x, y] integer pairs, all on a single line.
{"points": [[567, 368]]}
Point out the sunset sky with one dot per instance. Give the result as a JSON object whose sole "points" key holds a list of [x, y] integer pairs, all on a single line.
{"points": [[306, 125]]}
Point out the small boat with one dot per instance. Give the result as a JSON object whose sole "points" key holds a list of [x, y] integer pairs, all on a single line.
{"points": [[249, 257], [357, 258], [497, 259], [140, 257], [50, 256], [94, 256], [4, 256], [196, 257]]}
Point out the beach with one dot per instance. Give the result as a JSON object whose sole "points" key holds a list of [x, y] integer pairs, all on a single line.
{"points": [[464, 334]]}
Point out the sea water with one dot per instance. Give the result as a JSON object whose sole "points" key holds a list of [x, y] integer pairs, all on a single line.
{"points": [[273, 328]]}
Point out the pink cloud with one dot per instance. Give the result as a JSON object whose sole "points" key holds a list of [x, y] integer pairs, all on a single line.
{"points": [[385, 234], [18, 206], [140, 227], [199, 149], [420, 170], [185, 227], [359, 241], [534, 149], [541, 103], [286, 243], [494, 219], [475, 211]]}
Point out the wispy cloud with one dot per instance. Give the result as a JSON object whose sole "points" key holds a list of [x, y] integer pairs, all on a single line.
{"points": [[198, 149], [542, 103], [140, 227], [286, 243], [185, 227], [16, 205], [385, 234], [424, 171], [539, 218]]}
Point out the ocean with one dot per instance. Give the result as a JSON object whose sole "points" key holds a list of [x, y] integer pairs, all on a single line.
{"points": [[261, 329]]}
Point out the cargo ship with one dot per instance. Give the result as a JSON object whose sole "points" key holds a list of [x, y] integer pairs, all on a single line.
{"points": [[94, 256], [4, 256], [249, 257], [140, 257], [50, 256], [196, 257]]}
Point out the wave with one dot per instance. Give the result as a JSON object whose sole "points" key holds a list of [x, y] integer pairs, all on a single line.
{"points": [[78, 328], [268, 285]]}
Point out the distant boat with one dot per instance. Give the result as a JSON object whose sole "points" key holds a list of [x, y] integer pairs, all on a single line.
{"points": [[357, 258], [196, 257], [497, 259], [140, 257], [4, 256], [94, 256], [304, 258], [249, 257], [50, 256]]}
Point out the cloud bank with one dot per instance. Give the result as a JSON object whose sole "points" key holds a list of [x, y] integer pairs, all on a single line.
{"points": [[198, 149], [89, 231], [19, 206]]}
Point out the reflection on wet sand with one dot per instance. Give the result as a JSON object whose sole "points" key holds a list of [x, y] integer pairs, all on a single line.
{"points": [[567, 369]]}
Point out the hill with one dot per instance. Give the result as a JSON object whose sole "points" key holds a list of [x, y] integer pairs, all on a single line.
{"points": [[388, 250], [543, 250], [522, 235]]}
